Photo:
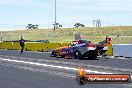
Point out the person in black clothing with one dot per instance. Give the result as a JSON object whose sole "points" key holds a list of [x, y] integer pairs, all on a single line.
{"points": [[22, 43]]}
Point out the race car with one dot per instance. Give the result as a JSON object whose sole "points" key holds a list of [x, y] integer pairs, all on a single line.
{"points": [[82, 49], [79, 49]]}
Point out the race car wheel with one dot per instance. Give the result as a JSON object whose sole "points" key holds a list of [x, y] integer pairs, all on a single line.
{"points": [[62, 56], [77, 55], [102, 52], [53, 54], [92, 55]]}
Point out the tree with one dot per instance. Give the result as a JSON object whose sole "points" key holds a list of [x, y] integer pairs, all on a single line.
{"points": [[57, 25], [31, 26], [76, 25], [94, 22], [60, 26], [97, 23]]}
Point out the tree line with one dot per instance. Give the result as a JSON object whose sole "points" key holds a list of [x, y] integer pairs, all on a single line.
{"points": [[96, 23]]}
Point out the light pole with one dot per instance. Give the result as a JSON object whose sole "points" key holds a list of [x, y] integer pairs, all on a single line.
{"points": [[1, 37], [55, 17]]}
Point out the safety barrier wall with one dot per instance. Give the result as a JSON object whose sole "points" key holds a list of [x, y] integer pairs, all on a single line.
{"points": [[6, 45], [42, 47], [124, 50], [31, 46], [16, 46], [110, 50]]}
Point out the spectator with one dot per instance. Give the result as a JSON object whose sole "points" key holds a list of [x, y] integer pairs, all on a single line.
{"points": [[22, 43]]}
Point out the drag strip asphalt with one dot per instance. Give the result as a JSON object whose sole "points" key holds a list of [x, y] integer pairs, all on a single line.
{"points": [[100, 62], [39, 70]]}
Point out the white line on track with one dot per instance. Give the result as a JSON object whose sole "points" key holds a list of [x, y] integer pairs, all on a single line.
{"points": [[52, 66], [67, 63], [55, 66], [37, 64]]}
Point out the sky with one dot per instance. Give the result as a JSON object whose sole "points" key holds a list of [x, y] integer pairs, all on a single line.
{"points": [[16, 14]]}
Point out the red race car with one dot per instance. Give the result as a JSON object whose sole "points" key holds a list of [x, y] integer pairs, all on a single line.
{"points": [[78, 49]]}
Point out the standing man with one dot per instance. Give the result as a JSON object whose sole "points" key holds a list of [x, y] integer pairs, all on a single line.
{"points": [[22, 43], [108, 40]]}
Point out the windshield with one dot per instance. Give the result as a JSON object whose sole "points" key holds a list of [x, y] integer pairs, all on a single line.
{"points": [[84, 41]]}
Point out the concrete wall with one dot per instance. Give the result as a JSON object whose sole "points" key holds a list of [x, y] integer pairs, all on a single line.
{"points": [[124, 50]]}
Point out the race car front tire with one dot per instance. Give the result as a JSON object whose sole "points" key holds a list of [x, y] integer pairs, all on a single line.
{"points": [[78, 55], [53, 53]]}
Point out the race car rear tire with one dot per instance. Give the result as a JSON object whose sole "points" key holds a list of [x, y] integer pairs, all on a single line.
{"points": [[78, 55], [102, 52], [91, 55]]}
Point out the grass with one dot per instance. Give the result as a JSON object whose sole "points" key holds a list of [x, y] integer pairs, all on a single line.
{"points": [[67, 34]]}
